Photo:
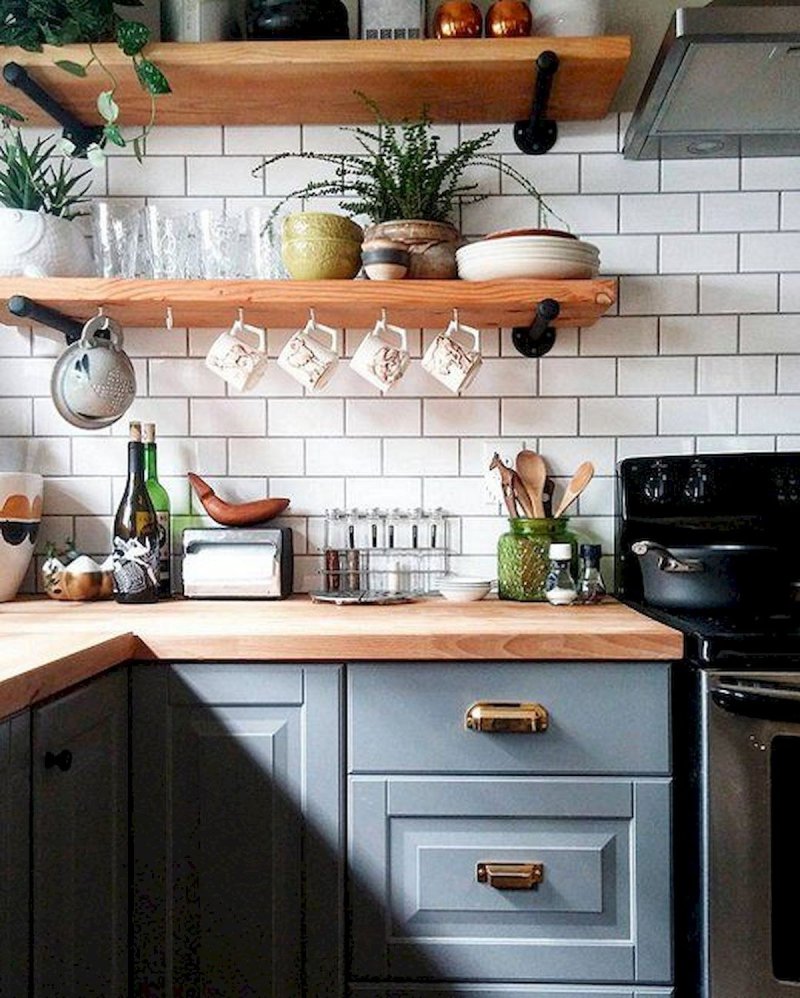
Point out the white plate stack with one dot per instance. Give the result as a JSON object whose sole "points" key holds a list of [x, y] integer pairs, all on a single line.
{"points": [[464, 588], [537, 256]]}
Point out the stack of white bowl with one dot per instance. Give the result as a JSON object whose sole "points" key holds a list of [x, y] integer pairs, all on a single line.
{"points": [[528, 253], [464, 588]]}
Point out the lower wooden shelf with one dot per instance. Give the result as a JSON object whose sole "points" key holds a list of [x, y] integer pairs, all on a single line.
{"points": [[282, 304]]}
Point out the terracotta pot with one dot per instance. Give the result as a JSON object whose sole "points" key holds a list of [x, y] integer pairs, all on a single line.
{"points": [[431, 246], [508, 19], [457, 19]]}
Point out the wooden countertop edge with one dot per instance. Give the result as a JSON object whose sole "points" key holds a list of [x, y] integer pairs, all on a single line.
{"points": [[56, 675]]}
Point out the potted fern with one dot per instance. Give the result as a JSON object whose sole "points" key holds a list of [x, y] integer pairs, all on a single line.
{"points": [[40, 198], [408, 187]]}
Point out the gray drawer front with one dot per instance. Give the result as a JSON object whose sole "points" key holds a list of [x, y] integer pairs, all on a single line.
{"points": [[604, 718], [601, 914], [501, 991]]}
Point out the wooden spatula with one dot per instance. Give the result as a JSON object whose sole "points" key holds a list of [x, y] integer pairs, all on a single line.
{"points": [[578, 483], [533, 472]]}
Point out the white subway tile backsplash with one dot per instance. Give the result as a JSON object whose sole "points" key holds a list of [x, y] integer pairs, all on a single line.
{"points": [[578, 376], [769, 414], [658, 213], [702, 352], [697, 415], [696, 334], [618, 416], [699, 175], [702, 254], [739, 212], [608, 173], [656, 375], [738, 292], [735, 375], [770, 251]]}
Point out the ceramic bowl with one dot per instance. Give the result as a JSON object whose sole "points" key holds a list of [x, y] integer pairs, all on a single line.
{"points": [[464, 588], [20, 515], [320, 259], [321, 225], [526, 268]]}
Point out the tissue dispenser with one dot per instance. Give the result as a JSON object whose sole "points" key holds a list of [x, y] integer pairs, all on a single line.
{"points": [[238, 563]]}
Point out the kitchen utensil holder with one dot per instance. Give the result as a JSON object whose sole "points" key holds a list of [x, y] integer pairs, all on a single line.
{"points": [[361, 554], [82, 136], [537, 135]]}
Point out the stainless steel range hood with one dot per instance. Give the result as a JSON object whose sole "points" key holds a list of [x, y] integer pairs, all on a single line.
{"points": [[726, 82]]}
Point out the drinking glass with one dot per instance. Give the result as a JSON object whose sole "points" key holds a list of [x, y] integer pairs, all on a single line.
{"points": [[219, 245], [168, 244], [115, 236]]}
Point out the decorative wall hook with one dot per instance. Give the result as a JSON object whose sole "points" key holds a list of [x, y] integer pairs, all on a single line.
{"points": [[538, 134], [81, 136], [25, 308], [539, 337]]}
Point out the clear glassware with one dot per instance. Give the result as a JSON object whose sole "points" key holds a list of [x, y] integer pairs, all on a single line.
{"points": [[116, 224], [591, 588], [559, 587], [219, 245], [168, 244]]}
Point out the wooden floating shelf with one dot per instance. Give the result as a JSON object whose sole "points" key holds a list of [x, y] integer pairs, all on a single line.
{"points": [[282, 304], [255, 83]]}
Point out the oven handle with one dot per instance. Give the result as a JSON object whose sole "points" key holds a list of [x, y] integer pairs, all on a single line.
{"points": [[783, 705]]}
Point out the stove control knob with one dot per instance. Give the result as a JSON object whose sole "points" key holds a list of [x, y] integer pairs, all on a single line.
{"points": [[656, 485], [696, 488]]}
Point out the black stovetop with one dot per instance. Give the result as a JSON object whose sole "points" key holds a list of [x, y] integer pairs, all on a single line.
{"points": [[737, 638]]}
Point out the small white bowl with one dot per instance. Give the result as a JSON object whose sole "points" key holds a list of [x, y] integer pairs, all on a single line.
{"points": [[465, 595]]}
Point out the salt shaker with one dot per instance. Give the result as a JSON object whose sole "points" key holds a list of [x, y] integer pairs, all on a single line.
{"points": [[559, 589]]}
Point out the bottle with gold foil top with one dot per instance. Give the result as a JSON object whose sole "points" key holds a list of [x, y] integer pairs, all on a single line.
{"points": [[160, 499], [135, 554]]}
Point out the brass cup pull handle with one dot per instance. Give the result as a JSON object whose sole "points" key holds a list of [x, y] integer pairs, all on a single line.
{"points": [[507, 718], [510, 876]]}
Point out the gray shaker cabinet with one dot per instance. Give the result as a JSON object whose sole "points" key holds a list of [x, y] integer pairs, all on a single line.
{"points": [[79, 828], [236, 830], [14, 855]]}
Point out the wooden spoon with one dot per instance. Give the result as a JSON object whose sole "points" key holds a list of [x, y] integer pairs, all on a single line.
{"points": [[533, 471], [578, 483]]}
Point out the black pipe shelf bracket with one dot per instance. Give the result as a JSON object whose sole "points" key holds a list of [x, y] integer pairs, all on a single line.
{"points": [[26, 308], [80, 135], [539, 337], [538, 134]]}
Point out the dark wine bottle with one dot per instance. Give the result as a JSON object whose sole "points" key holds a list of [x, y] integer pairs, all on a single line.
{"points": [[160, 499], [136, 533]]}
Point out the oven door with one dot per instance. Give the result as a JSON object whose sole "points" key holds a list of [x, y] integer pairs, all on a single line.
{"points": [[752, 834]]}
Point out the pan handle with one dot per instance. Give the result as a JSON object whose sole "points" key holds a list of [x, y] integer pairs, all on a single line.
{"points": [[667, 561]]}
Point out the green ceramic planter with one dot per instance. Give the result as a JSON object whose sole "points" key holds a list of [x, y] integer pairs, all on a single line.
{"points": [[523, 556]]}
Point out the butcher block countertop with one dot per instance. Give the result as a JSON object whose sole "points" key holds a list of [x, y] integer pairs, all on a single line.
{"points": [[46, 646]]}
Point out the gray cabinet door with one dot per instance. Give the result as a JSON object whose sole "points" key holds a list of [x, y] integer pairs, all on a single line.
{"points": [[80, 842], [502, 991], [14, 855], [421, 911], [236, 830]]}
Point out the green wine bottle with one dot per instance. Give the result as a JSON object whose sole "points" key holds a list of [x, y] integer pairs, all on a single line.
{"points": [[135, 555], [160, 500]]}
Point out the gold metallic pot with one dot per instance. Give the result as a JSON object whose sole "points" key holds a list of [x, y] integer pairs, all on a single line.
{"points": [[457, 19], [508, 19]]}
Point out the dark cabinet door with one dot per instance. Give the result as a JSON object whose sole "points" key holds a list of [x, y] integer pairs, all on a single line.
{"points": [[236, 831], [14, 856], [80, 842]]}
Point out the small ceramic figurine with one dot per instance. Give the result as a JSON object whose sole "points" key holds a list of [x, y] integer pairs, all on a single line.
{"points": [[70, 576]]}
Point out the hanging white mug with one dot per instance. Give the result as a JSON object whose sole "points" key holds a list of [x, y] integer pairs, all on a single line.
{"points": [[382, 356], [450, 362], [309, 360], [236, 358]]}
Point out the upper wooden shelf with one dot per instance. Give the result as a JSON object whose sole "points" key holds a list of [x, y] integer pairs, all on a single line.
{"points": [[254, 83], [283, 304]]}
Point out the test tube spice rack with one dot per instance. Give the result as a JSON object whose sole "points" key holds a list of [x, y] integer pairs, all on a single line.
{"points": [[394, 552]]}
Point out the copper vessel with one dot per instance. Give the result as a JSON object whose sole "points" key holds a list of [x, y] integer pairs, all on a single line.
{"points": [[457, 19], [508, 19]]}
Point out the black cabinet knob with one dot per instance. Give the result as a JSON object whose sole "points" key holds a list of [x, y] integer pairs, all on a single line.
{"points": [[61, 760]]}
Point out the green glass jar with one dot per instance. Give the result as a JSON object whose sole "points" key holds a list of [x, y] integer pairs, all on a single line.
{"points": [[523, 556]]}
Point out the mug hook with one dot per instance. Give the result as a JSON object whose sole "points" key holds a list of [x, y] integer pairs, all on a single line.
{"points": [[383, 316], [312, 316], [240, 312], [169, 320], [455, 317]]}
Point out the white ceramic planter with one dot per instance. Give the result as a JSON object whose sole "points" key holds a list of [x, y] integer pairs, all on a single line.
{"points": [[20, 515], [35, 244]]}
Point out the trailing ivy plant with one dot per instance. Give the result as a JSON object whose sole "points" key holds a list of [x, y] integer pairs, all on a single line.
{"points": [[31, 24], [403, 173], [31, 181]]}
